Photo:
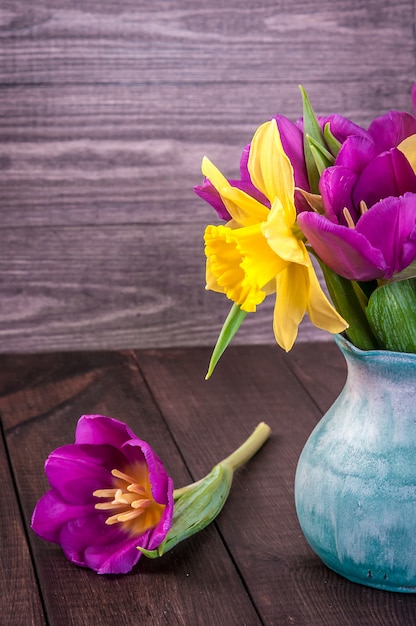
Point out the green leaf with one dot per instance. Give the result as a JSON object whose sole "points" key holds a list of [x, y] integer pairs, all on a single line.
{"points": [[229, 329], [322, 157], [333, 144], [391, 312], [312, 129]]}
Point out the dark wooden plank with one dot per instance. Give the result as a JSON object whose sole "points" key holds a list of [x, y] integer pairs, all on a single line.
{"points": [[20, 600], [39, 409], [287, 581], [326, 378]]}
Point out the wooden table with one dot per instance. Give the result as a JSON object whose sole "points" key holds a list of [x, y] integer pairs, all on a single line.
{"points": [[253, 565]]}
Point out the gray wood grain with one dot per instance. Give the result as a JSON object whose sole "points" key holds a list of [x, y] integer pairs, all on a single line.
{"points": [[105, 113]]}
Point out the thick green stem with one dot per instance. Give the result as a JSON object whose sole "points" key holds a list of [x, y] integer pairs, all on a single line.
{"points": [[348, 299], [248, 448], [237, 458]]}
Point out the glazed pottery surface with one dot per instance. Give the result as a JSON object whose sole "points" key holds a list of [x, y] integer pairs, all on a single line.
{"points": [[355, 486]]}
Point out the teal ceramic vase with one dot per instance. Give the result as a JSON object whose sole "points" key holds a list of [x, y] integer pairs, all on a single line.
{"points": [[355, 486]]}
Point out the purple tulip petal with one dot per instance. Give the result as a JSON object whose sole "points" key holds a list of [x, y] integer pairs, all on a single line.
{"points": [[389, 130], [336, 186], [76, 471], [345, 250], [157, 473], [389, 174], [89, 542], [159, 533], [390, 226], [99, 429], [342, 128], [356, 153], [292, 142], [119, 561], [51, 513], [207, 192]]}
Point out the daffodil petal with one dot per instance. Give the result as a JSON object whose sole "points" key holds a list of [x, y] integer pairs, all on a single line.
{"points": [[408, 148], [292, 288], [278, 231], [243, 208], [269, 167], [321, 312]]}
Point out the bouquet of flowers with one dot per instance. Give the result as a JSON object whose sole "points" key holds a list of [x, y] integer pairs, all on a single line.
{"points": [[322, 187]]}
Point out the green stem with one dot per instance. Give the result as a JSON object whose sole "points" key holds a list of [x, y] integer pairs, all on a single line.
{"points": [[177, 493], [348, 299], [237, 458], [248, 448]]}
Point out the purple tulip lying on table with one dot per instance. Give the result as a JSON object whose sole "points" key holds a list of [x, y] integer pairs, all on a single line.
{"points": [[111, 499]]}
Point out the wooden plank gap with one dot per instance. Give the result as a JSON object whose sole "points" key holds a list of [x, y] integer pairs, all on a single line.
{"points": [[19, 582]]}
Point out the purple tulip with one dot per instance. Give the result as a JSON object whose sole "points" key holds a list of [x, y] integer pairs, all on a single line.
{"points": [[341, 127], [382, 243], [109, 494], [368, 230]]}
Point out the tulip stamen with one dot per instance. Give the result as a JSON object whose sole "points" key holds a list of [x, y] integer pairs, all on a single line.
{"points": [[137, 489], [117, 474], [348, 218], [124, 517], [141, 504], [363, 207], [130, 502], [105, 493]]}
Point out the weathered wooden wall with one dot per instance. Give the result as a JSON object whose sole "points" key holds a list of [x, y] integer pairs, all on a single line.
{"points": [[106, 110]]}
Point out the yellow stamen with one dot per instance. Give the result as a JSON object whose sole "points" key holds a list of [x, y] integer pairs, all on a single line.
{"points": [[117, 474], [105, 493], [348, 218], [137, 489], [108, 506], [141, 504], [131, 500], [363, 207], [123, 517]]}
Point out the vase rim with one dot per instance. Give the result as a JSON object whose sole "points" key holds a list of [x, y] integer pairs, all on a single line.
{"points": [[345, 345]]}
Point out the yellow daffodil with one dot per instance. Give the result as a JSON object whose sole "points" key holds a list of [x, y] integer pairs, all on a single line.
{"points": [[261, 251]]}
